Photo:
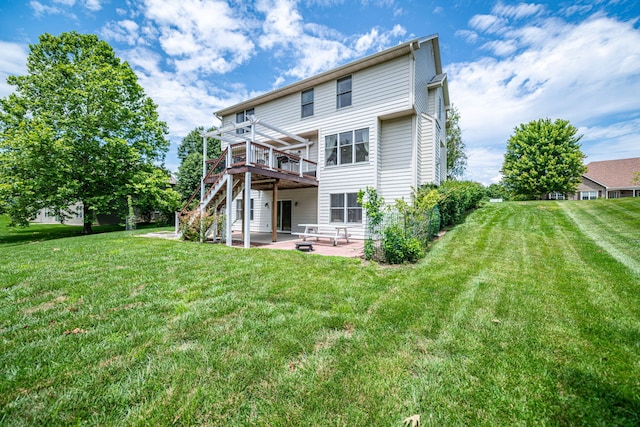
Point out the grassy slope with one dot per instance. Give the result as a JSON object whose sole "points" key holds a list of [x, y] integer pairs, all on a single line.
{"points": [[515, 317]]}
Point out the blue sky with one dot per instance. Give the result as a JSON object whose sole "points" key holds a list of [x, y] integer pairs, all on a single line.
{"points": [[508, 62]]}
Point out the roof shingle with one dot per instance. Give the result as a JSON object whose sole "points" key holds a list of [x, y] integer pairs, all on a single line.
{"points": [[614, 173]]}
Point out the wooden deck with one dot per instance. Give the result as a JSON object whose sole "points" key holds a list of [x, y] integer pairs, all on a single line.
{"points": [[263, 177]]}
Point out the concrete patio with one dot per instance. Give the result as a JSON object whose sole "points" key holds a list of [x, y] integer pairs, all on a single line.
{"points": [[286, 241]]}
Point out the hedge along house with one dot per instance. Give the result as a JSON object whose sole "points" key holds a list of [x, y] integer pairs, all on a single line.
{"points": [[301, 153]]}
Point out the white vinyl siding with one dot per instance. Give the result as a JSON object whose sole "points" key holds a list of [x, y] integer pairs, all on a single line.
{"points": [[425, 70], [304, 207], [397, 175], [390, 89], [427, 163]]}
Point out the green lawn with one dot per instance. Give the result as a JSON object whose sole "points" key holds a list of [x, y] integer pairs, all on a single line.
{"points": [[526, 314]]}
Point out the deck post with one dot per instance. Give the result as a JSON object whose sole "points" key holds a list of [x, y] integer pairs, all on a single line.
{"points": [[271, 162], [274, 212], [247, 210], [204, 174], [228, 208]]}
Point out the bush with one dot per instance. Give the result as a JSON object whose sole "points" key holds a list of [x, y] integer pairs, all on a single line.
{"points": [[398, 248], [397, 233], [190, 225], [455, 198], [498, 191]]}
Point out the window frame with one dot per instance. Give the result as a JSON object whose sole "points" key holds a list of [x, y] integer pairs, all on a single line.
{"points": [[344, 94], [347, 207], [241, 116], [240, 209], [308, 103], [351, 144], [589, 195]]}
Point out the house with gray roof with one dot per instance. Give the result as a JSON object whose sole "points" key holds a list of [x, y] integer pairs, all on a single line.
{"points": [[610, 179]]}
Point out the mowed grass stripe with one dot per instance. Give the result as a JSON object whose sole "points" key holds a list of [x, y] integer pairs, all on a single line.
{"points": [[604, 230], [513, 318]]}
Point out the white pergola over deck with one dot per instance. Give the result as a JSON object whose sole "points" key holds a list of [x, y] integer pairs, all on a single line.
{"points": [[246, 154]]}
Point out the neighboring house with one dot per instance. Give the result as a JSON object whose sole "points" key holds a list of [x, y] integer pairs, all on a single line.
{"points": [[76, 212], [48, 216], [305, 150], [610, 179], [76, 217]]}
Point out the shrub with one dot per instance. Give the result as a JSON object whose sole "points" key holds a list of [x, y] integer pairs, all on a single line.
{"points": [[398, 247], [191, 225], [397, 233], [455, 198]]}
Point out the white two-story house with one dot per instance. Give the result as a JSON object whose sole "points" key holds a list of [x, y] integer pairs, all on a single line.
{"points": [[303, 151]]}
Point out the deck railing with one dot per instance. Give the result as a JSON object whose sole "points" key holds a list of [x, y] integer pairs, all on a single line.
{"points": [[262, 156], [217, 169]]}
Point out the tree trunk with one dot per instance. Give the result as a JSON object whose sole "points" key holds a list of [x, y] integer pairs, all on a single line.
{"points": [[87, 214]]}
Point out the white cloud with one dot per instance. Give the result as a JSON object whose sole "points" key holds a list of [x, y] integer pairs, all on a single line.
{"points": [[125, 31], [518, 11], [200, 36], [577, 9], [13, 61], [314, 48], [482, 162], [93, 5], [469, 36], [183, 103], [490, 24], [614, 141], [62, 7], [501, 47], [41, 9], [581, 72]]}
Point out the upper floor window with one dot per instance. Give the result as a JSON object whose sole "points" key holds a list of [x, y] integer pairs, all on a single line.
{"points": [[344, 92], [307, 103], [347, 147], [243, 116]]}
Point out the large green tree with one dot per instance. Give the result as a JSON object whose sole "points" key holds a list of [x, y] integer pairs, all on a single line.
{"points": [[79, 128], [542, 157], [456, 156], [190, 154]]}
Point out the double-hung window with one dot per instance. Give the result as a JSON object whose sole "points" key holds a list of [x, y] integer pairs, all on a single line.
{"points": [[307, 103], [241, 117], [346, 148], [588, 195], [345, 208], [344, 92], [331, 150], [240, 209]]}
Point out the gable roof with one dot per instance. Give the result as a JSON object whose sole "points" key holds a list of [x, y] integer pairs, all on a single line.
{"points": [[344, 70], [614, 173]]}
